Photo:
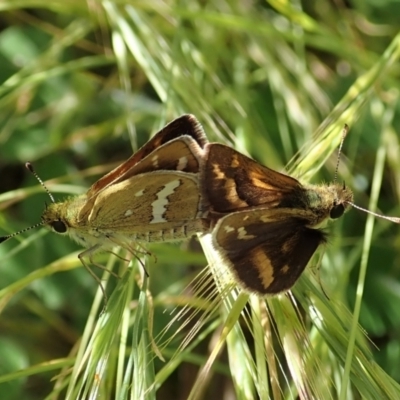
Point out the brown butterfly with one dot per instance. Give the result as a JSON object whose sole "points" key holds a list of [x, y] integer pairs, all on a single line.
{"points": [[266, 224], [154, 196]]}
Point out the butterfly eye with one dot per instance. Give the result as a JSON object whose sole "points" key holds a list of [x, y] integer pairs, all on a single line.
{"points": [[59, 226], [337, 211]]}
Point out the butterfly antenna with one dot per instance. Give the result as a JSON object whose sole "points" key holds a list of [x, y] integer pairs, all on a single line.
{"points": [[4, 238], [396, 220], [29, 166], [345, 131]]}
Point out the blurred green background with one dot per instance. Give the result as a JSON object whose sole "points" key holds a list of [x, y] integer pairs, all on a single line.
{"points": [[83, 84]]}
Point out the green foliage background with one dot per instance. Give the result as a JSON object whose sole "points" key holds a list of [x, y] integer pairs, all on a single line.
{"points": [[83, 84]]}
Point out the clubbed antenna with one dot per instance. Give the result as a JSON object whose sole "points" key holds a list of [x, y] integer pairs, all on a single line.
{"points": [[345, 130], [4, 238], [29, 166], [396, 220]]}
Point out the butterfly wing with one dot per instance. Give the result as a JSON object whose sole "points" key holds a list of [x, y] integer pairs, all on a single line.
{"points": [[155, 206], [177, 147], [266, 249], [185, 125], [181, 154], [231, 181]]}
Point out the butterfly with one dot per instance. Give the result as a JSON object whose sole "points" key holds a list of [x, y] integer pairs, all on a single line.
{"points": [[153, 196], [266, 225]]}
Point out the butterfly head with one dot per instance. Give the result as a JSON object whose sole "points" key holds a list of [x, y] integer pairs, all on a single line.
{"points": [[342, 200], [326, 202], [54, 219]]}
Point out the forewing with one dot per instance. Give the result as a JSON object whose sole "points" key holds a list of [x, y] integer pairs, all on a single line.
{"points": [[266, 249], [157, 200], [231, 181], [177, 147], [185, 125], [181, 154]]}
